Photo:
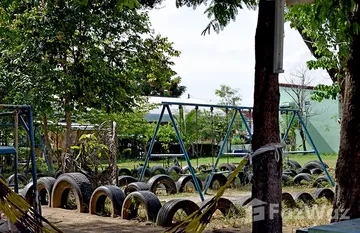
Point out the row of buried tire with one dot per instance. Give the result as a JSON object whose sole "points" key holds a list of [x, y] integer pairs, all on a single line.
{"points": [[311, 172], [127, 205]]}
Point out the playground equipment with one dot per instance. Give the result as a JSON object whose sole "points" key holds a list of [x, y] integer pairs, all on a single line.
{"points": [[22, 116], [236, 110]]}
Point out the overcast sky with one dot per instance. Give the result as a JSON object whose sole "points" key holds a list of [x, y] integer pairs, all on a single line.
{"points": [[224, 58]]}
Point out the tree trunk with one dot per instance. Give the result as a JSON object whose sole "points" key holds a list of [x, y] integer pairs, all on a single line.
{"points": [[267, 171], [303, 137], [48, 149], [67, 160], [347, 191]]}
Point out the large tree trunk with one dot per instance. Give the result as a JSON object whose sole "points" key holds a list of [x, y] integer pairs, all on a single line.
{"points": [[48, 149], [347, 192], [267, 171]]}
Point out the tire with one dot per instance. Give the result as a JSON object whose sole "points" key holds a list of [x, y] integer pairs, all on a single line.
{"points": [[165, 180], [312, 165], [136, 186], [226, 167], [316, 171], [114, 193], [286, 179], [304, 170], [28, 193], [324, 192], [183, 180], [304, 197], [72, 181], [58, 173], [186, 169], [316, 161], [244, 200], [224, 205], [149, 200], [290, 172], [21, 180], [176, 169], [45, 186], [126, 180], [288, 200], [124, 172], [201, 167], [221, 178], [233, 184], [302, 177], [166, 213], [295, 164], [318, 183], [138, 170], [155, 170]]}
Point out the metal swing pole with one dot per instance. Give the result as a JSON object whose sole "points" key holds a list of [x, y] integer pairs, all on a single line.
{"points": [[148, 155], [289, 126], [212, 134], [186, 155], [314, 147], [197, 136], [220, 151], [243, 118], [16, 143]]}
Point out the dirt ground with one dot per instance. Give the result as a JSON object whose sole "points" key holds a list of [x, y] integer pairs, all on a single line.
{"points": [[70, 221]]}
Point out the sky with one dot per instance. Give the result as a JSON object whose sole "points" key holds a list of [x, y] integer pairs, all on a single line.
{"points": [[227, 58]]}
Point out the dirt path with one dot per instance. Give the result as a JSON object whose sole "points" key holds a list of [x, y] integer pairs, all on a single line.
{"points": [[71, 221]]}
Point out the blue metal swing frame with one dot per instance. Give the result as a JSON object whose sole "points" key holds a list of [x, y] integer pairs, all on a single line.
{"points": [[238, 109], [27, 123]]}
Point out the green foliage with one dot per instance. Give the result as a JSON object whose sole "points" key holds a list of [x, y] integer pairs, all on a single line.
{"points": [[326, 92], [327, 30], [228, 95]]}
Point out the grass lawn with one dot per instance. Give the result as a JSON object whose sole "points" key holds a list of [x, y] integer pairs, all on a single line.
{"points": [[302, 159]]}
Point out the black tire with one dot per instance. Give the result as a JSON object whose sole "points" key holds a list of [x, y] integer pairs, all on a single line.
{"points": [[126, 180], [324, 192], [165, 180], [236, 182], [114, 193], [137, 172], [226, 206], [186, 169], [321, 181], [219, 177], [288, 200], [183, 180], [168, 210], [176, 169], [292, 164], [304, 197], [315, 161], [244, 200], [148, 199], [286, 179], [302, 177], [290, 172], [136, 186], [45, 186], [316, 171], [21, 180], [28, 193], [304, 170], [77, 182], [157, 170], [312, 165], [226, 167], [57, 174], [124, 172]]}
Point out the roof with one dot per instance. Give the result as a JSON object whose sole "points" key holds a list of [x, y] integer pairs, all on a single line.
{"points": [[7, 150], [291, 85]]}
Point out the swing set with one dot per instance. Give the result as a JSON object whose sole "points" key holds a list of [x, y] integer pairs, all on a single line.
{"points": [[236, 110]]}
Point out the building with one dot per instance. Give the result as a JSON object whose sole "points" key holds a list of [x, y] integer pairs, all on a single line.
{"points": [[323, 116]]}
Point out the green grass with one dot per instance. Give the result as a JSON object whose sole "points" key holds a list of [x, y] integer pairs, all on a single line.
{"points": [[329, 159]]}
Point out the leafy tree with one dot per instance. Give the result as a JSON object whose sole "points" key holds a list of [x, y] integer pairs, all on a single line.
{"points": [[228, 95], [266, 101], [81, 54], [337, 25]]}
